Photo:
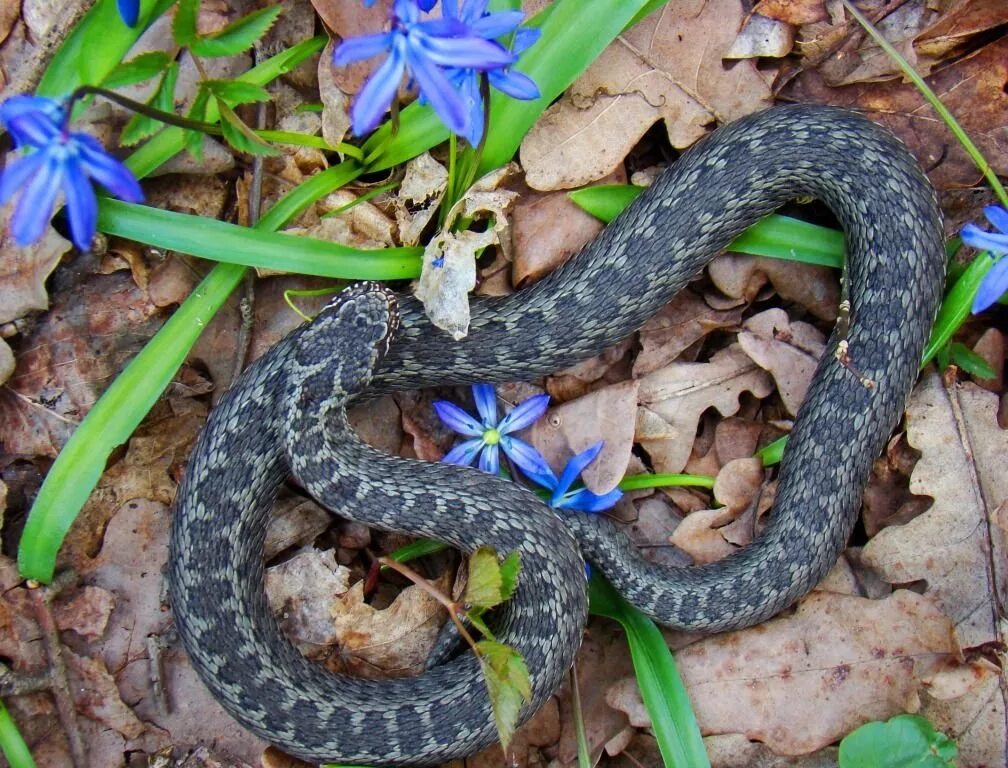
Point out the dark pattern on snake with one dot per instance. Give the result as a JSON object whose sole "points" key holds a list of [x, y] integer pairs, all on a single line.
{"points": [[737, 175]]}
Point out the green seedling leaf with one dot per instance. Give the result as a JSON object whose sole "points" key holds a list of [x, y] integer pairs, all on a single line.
{"points": [[236, 92], [184, 25], [508, 682], [239, 135], [137, 70], [905, 741], [475, 618], [193, 140], [140, 127], [485, 585], [969, 361], [237, 36], [509, 570]]}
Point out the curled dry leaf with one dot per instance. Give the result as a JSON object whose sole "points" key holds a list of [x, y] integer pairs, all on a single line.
{"points": [[673, 398], [7, 363], [761, 36], [448, 273], [800, 682], [335, 103], [86, 613], [304, 592], [742, 276], [667, 67], [605, 414], [420, 194], [682, 323], [958, 546], [392, 641], [23, 271], [794, 12], [789, 351]]}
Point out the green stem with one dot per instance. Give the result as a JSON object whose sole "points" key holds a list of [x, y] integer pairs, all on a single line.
{"points": [[12, 742]]}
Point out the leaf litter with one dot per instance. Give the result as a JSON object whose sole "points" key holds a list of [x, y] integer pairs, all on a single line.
{"points": [[863, 645]]}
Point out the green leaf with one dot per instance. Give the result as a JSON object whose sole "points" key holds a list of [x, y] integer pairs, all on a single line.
{"points": [[137, 70], [193, 140], [970, 361], [184, 24], [139, 126], [662, 689], [509, 570], [484, 586], [905, 741], [475, 617], [95, 47], [12, 742], [239, 135], [238, 36], [508, 682], [605, 201], [236, 92], [956, 305]]}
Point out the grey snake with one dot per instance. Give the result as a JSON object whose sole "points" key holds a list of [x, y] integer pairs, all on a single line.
{"points": [[286, 413]]}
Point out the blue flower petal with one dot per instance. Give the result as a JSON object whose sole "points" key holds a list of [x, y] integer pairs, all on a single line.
{"points": [[463, 454], [360, 48], [993, 286], [465, 52], [514, 84], [977, 238], [486, 403], [490, 459], [997, 216], [497, 24], [107, 171], [529, 461], [18, 172], [35, 207], [439, 91], [587, 501], [458, 420], [129, 10], [377, 94], [574, 468], [426, 5], [81, 205], [33, 120], [524, 38], [444, 27], [525, 414]]}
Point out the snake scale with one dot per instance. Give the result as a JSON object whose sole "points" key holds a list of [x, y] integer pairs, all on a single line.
{"points": [[286, 411]]}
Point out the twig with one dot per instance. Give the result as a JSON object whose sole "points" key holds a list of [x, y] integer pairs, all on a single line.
{"points": [[41, 599]]}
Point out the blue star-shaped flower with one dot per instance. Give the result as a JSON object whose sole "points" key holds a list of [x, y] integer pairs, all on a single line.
{"points": [[58, 160], [581, 498], [426, 50], [490, 435], [995, 283]]}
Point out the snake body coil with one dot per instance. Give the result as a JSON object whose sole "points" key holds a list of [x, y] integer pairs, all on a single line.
{"points": [[730, 180]]}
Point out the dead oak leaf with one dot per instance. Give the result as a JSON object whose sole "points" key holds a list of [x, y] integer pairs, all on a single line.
{"points": [[800, 682], [958, 546], [96, 695], [23, 270], [742, 276], [390, 641], [673, 398], [789, 351], [667, 67]]}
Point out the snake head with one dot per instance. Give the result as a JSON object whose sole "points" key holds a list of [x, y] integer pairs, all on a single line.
{"points": [[336, 354]]}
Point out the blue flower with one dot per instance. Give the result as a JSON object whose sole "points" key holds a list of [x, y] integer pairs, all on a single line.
{"points": [[491, 26], [581, 498], [995, 283], [58, 161], [130, 11], [489, 435], [424, 50]]}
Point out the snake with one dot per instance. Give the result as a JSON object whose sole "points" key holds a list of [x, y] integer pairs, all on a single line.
{"points": [[286, 415]]}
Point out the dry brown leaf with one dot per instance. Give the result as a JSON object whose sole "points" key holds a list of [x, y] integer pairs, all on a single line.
{"points": [[392, 641], [542, 730], [972, 88], [296, 522], [650, 527], [761, 36], [789, 351], [673, 398], [419, 195], [734, 438], [69, 357], [963, 20], [23, 270], [800, 682], [683, 322], [605, 414], [990, 346], [7, 363], [335, 103], [667, 67], [611, 365], [546, 229], [742, 276], [793, 11], [304, 592], [96, 695], [86, 613], [953, 546]]}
